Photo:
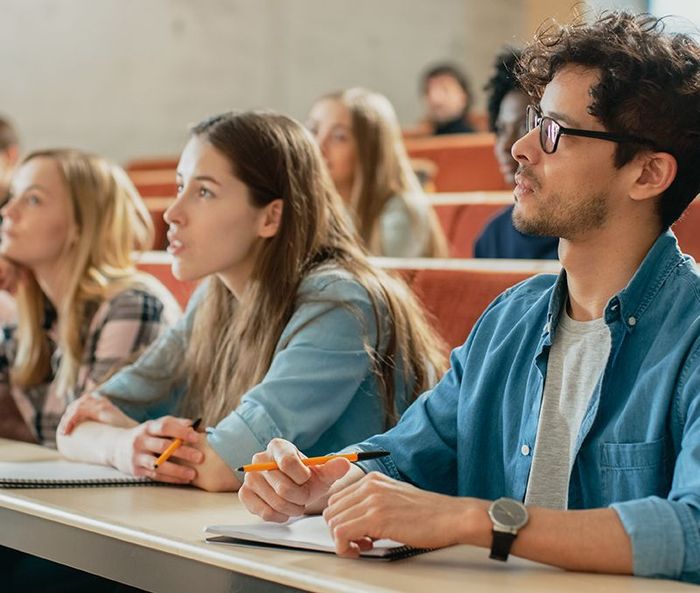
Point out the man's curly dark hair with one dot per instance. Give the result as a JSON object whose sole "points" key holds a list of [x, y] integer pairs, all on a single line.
{"points": [[649, 87], [503, 81]]}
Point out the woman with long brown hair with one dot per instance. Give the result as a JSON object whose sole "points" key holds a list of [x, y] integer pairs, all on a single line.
{"points": [[69, 232], [360, 139], [294, 333]]}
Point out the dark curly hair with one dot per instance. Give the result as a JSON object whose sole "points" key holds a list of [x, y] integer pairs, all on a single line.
{"points": [[649, 87], [503, 81]]}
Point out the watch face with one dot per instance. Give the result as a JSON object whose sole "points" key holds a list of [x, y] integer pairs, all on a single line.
{"points": [[509, 513]]}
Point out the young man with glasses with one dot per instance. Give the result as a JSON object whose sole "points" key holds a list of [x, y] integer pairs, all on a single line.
{"points": [[567, 429]]}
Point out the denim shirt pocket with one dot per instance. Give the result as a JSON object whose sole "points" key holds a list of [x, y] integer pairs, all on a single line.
{"points": [[634, 470]]}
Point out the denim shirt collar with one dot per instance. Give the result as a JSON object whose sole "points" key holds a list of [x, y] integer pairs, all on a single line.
{"points": [[632, 301]]}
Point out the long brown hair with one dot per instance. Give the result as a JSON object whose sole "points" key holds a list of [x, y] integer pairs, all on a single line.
{"points": [[384, 170], [234, 341], [113, 223]]}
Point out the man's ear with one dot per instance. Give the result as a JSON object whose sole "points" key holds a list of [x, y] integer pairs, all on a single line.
{"points": [[271, 219], [656, 172]]}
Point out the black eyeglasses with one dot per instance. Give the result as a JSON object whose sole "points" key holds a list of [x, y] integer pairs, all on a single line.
{"points": [[551, 130]]}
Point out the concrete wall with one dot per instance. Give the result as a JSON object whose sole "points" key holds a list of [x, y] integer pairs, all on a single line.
{"points": [[126, 77]]}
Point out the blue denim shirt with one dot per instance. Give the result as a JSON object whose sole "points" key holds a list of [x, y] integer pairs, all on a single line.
{"points": [[638, 449], [320, 390]]}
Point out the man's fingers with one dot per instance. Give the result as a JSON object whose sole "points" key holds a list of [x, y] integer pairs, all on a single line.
{"points": [[346, 535], [258, 506], [333, 470], [286, 488], [278, 503], [288, 459]]}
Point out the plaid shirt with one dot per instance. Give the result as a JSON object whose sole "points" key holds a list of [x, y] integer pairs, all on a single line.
{"points": [[118, 330]]}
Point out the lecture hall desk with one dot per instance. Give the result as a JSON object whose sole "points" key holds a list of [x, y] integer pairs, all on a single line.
{"points": [[152, 538]]}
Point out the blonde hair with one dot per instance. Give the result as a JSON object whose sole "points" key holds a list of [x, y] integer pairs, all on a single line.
{"points": [[234, 341], [383, 170], [112, 222]]}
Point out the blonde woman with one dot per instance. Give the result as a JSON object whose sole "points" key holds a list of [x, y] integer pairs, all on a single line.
{"points": [[295, 333], [69, 231], [360, 139]]}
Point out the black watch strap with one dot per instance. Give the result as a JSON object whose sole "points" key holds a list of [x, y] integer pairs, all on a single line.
{"points": [[500, 545]]}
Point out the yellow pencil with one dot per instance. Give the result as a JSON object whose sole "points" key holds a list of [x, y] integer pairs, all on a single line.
{"points": [[174, 446], [357, 456]]}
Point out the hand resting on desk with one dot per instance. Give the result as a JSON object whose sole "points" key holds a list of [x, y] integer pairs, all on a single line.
{"points": [[94, 430], [93, 406], [359, 508]]}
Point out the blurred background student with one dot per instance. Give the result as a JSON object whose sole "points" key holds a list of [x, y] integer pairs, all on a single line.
{"points": [[69, 230], [447, 100], [360, 140], [9, 157], [506, 106], [295, 334]]}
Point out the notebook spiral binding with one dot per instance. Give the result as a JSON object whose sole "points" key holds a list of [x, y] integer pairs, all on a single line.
{"points": [[27, 484], [407, 552]]}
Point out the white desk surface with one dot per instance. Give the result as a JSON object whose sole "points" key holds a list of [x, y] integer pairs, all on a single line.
{"points": [[171, 521]]}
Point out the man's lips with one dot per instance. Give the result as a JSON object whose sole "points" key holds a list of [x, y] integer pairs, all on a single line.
{"points": [[522, 183]]}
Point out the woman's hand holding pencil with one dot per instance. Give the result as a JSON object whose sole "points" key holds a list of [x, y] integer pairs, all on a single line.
{"points": [[139, 448]]}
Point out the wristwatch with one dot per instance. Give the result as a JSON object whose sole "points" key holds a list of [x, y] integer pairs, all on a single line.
{"points": [[508, 517]]}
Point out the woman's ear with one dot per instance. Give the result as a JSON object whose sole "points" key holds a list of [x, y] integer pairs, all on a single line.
{"points": [[657, 172], [72, 236], [271, 219]]}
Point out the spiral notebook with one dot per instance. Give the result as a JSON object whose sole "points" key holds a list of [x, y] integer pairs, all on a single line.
{"points": [[64, 474], [304, 533]]}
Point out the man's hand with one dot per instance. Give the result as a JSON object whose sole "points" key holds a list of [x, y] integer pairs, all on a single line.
{"points": [[379, 507], [288, 492]]}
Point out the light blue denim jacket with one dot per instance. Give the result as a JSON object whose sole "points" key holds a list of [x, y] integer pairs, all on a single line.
{"points": [[319, 392], [638, 449]]}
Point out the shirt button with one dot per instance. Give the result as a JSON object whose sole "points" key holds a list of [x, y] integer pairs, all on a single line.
{"points": [[525, 450], [632, 321]]}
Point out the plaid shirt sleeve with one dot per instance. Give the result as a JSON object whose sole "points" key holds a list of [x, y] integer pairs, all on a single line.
{"points": [[120, 331]]}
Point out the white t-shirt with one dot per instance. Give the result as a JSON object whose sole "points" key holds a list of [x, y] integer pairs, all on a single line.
{"points": [[577, 358]]}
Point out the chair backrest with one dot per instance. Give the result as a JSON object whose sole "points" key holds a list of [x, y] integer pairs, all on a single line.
{"points": [[154, 183], [156, 208], [152, 163], [464, 162], [454, 293], [464, 215]]}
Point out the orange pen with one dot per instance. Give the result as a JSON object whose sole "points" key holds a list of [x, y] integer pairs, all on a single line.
{"points": [[356, 456], [174, 446]]}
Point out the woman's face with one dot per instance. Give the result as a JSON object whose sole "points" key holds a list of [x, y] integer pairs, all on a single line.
{"points": [[330, 122], [510, 125], [38, 222], [213, 226]]}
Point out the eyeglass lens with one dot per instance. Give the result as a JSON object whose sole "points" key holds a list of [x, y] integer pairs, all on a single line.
{"points": [[549, 129]]}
